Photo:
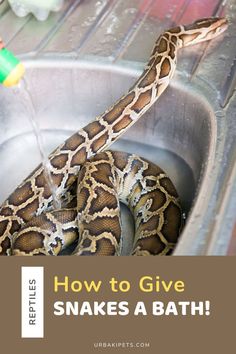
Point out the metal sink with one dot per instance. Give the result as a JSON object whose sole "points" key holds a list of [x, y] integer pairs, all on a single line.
{"points": [[179, 133]]}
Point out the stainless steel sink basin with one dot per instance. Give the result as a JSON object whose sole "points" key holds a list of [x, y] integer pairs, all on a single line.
{"points": [[181, 132]]}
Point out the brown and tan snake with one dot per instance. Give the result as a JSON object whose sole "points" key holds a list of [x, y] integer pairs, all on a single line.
{"points": [[29, 226]]}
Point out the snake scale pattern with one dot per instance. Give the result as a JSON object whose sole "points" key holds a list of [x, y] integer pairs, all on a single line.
{"points": [[30, 226]]}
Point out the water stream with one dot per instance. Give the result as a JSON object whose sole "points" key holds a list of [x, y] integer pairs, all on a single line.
{"points": [[23, 90]]}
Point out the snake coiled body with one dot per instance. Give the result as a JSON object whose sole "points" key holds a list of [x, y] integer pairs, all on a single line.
{"points": [[104, 180], [33, 197]]}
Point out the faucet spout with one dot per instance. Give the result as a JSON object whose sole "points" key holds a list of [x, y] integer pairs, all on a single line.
{"points": [[11, 69]]}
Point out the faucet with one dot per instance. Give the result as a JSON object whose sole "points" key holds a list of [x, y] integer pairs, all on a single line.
{"points": [[11, 69]]}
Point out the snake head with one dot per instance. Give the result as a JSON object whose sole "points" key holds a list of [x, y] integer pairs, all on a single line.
{"points": [[203, 30], [217, 24]]}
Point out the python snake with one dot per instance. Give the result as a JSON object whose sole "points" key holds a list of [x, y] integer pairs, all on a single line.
{"points": [[29, 226]]}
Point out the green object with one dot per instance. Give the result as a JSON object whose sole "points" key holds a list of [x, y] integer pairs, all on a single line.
{"points": [[7, 63]]}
